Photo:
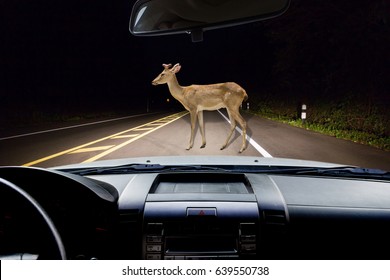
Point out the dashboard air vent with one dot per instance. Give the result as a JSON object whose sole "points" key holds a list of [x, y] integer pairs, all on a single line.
{"points": [[274, 217]]}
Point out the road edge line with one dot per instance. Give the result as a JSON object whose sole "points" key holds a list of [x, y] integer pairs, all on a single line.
{"points": [[255, 145]]}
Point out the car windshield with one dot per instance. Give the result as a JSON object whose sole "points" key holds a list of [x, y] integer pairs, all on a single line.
{"points": [[77, 87]]}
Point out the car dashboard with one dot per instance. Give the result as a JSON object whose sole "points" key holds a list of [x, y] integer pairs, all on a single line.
{"points": [[195, 215]]}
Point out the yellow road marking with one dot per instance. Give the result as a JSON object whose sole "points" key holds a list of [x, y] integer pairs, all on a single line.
{"points": [[91, 149], [143, 128], [117, 147], [125, 136], [178, 115], [156, 123]]}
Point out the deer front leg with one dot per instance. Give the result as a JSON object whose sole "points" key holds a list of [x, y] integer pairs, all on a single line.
{"points": [[201, 128], [193, 122]]}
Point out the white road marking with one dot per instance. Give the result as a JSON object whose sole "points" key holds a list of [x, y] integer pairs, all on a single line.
{"points": [[260, 149], [70, 127]]}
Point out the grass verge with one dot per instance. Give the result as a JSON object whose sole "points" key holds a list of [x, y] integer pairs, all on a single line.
{"points": [[369, 130]]}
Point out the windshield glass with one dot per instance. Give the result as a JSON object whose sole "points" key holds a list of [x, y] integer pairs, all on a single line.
{"points": [[77, 87]]}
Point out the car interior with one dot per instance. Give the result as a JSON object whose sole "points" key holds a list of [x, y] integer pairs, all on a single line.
{"points": [[195, 207]]}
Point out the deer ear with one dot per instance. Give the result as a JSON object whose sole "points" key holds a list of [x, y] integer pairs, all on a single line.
{"points": [[176, 68], [167, 66]]}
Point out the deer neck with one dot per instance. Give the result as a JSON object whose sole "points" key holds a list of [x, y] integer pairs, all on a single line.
{"points": [[175, 89]]}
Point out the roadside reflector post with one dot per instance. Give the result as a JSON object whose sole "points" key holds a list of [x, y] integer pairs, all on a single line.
{"points": [[243, 107], [303, 113]]}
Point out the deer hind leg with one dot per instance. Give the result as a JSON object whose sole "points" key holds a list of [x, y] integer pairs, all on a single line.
{"points": [[234, 117], [232, 127], [193, 122], [201, 128], [242, 123]]}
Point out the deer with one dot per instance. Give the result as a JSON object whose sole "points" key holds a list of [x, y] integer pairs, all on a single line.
{"points": [[197, 98]]}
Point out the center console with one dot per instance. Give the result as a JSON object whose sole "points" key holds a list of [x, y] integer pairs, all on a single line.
{"points": [[207, 216]]}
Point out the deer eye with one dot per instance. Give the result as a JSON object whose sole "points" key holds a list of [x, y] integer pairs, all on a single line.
{"points": [[162, 75]]}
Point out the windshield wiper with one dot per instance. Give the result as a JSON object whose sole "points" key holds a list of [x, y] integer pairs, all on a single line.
{"points": [[141, 168], [347, 171]]}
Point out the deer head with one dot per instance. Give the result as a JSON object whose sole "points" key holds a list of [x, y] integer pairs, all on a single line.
{"points": [[167, 74]]}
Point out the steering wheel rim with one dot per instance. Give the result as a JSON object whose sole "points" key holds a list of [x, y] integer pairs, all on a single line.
{"points": [[42, 212]]}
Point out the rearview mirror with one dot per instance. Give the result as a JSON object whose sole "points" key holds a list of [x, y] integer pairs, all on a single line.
{"points": [[163, 17]]}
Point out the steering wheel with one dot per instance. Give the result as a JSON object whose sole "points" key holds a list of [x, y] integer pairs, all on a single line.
{"points": [[11, 187]]}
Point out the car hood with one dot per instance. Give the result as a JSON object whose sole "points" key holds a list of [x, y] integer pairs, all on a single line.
{"points": [[202, 160]]}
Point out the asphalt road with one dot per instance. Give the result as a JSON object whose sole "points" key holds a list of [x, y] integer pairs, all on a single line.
{"points": [[160, 134]]}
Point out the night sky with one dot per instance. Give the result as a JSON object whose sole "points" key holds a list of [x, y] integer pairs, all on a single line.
{"points": [[78, 56]]}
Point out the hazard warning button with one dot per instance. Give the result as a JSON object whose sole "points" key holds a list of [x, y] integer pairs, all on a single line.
{"points": [[194, 211]]}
